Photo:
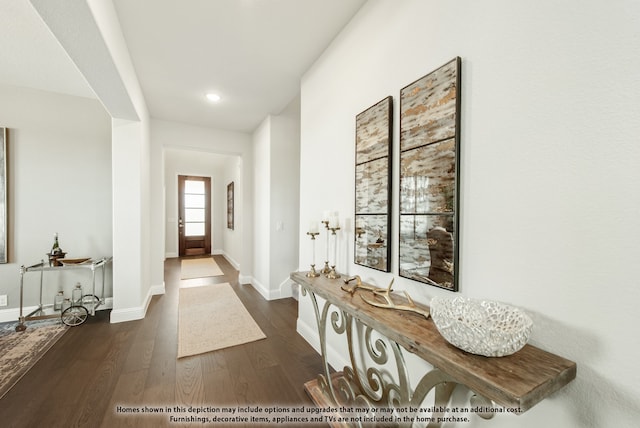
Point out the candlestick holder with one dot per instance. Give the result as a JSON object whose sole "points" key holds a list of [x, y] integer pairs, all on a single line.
{"points": [[326, 269], [332, 273], [312, 273]]}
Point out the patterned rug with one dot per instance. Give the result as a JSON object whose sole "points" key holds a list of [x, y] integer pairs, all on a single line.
{"points": [[213, 317], [199, 268], [19, 351]]}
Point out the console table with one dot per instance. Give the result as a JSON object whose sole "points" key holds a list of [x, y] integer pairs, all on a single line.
{"points": [[378, 377]]}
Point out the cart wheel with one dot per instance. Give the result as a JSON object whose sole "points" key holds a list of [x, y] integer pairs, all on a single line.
{"points": [[90, 300], [74, 315]]}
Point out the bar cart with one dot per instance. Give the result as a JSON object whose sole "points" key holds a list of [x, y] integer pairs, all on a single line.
{"points": [[78, 310]]}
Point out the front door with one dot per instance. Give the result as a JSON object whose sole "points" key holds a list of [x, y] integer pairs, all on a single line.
{"points": [[194, 222]]}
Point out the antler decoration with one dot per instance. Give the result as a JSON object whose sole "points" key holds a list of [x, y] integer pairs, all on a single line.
{"points": [[390, 304], [384, 293], [351, 289]]}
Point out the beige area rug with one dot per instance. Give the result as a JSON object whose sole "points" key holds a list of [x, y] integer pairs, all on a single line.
{"points": [[19, 351], [199, 268], [213, 317]]}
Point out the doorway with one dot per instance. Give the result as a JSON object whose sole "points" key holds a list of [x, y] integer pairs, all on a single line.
{"points": [[194, 211]]}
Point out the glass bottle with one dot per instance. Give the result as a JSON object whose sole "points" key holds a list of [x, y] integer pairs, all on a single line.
{"points": [[57, 301], [76, 294], [55, 250], [66, 303]]}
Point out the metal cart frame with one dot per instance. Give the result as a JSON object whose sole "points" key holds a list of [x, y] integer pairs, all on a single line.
{"points": [[78, 312]]}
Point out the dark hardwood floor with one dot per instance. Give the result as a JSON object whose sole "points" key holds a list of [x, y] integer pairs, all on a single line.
{"points": [[98, 366]]}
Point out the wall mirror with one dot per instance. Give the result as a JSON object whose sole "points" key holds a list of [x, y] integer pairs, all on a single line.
{"points": [[429, 177], [373, 186]]}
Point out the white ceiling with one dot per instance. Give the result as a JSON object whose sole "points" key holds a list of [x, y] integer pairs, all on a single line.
{"points": [[31, 57], [251, 52]]}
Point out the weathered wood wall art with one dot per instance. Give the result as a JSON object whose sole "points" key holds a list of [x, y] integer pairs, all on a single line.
{"points": [[3, 195], [373, 186], [429, 177], [230, 206]]}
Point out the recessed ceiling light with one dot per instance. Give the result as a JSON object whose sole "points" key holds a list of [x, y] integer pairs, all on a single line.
{"points": [[213, 97]]}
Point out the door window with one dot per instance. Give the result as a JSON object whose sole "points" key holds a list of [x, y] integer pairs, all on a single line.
{"points": [[194, 208]]}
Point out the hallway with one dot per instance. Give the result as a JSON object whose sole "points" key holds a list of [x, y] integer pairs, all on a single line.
{"points": [[98, 366]]}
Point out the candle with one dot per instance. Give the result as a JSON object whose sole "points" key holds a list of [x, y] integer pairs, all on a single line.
{"points": [[313, 226], [334, 221], [326, 215]]}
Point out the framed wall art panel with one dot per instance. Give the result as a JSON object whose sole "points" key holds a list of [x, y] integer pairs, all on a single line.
{"points": [[429, 180], [372, 181], [373, 186], [430, 108], [371, 241], [3, 196], [429, 177], [230, 207]]}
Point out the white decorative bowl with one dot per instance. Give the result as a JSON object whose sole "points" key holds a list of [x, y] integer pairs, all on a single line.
{"points": [[488, 328]]}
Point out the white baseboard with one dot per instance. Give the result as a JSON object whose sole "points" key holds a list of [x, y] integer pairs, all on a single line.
{"points": [[12, 314], [231, 260], [127, 314], [155, 290], [244, 279], [264, 291], [310, 334], [284, 291], [138, 312], [170, 255]]}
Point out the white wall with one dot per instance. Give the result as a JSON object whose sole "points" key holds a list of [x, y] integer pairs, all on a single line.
{"points": [[157, 222], [231, 238], [132, 196], [211, 145], [276, 145], [262, 206], [91, 35], [549, 199], [188, 162], [129, 259], [59, 165], [285, 196]]}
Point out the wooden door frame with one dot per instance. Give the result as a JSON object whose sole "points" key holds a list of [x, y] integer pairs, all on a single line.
{"points": [[208, 210]]}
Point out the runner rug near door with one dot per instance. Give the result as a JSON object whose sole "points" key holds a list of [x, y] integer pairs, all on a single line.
{"points": [[199, 268], [19, 351], [213, 317]]}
